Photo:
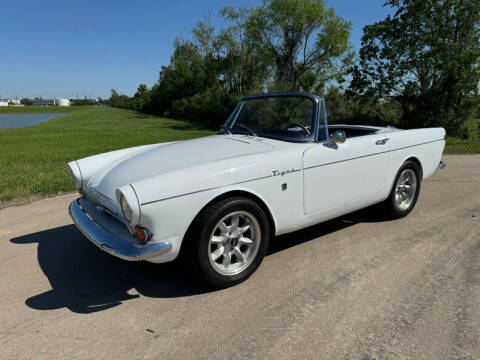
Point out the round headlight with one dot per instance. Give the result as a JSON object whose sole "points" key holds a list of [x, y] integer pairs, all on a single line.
{"points": [[128, 201], [126, 209]]}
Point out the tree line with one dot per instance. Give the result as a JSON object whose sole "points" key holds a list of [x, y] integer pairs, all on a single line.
{"points": [[418, 67]]}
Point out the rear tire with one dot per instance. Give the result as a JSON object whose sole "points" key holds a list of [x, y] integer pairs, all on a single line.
{"points": [[405, 190], [228, 241]]}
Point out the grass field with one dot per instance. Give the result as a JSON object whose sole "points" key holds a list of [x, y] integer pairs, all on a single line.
{"points": [[33, 159], [469, 146]]}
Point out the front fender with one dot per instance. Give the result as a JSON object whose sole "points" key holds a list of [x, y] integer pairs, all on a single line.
{"points": [[170, 219], [211, 176], [170, 202]]}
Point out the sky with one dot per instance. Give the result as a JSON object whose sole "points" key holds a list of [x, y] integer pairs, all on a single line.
{"points": [[86, 48]]}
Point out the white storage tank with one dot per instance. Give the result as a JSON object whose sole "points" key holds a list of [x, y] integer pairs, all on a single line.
{"points": [[62, 102]]}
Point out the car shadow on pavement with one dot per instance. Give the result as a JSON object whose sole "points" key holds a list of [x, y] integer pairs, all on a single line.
{"points": [[85, 280], [371, 214]]}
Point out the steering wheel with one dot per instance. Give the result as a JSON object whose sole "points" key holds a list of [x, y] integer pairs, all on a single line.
{"points": [[300, 126]]}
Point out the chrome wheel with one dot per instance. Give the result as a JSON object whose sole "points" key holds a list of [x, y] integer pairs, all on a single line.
{"points": [[234, 243], [405, 189]]}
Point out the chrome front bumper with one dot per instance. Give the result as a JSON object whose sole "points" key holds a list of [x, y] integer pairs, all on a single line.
{"points": [[111, 235]]}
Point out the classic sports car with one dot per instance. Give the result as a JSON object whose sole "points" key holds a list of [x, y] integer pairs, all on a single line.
{"points": [[276, 166]]}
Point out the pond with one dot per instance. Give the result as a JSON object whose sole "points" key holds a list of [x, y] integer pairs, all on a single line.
{"points": [[8, 121]]}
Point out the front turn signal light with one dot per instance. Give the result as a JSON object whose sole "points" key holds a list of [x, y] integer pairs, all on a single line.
{"points": [[144, 235]]}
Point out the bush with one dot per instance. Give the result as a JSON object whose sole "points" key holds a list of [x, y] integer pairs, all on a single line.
{"points": [[359, 110], [210, 108]]}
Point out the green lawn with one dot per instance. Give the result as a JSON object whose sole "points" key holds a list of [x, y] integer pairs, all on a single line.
{"points": [[33, 159], [469, 146]]}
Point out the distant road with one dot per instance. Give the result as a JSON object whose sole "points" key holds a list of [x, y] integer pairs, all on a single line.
{"points": [[359, 287]]}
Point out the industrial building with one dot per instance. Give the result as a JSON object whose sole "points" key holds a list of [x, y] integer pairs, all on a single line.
{"points": [[51, 102], [63, 102], [6, 102]]}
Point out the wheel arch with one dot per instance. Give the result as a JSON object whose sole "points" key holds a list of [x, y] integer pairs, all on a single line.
{"points": [[398, 164], [230, 194], [248, 195], [417, 161]]}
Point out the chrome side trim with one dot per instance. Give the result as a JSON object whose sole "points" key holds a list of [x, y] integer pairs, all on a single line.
{"points": [[340, 161], [377, 153], [442, 165], [199, 191], [110, 243], [406, 147]]}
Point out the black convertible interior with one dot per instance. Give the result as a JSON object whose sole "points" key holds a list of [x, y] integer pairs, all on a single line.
{"points": [[351, 131]]}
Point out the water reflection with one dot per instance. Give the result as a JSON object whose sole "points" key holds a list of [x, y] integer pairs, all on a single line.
{"points": [[8, 121]]}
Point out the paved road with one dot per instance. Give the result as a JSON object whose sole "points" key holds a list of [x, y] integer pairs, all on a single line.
{"points": [[359, 287]]}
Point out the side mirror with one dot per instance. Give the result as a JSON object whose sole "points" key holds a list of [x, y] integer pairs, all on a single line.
{"points": [[338, 137]]}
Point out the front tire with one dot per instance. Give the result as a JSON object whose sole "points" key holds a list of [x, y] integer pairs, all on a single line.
{"points": [[228, 241], [405, 190]]}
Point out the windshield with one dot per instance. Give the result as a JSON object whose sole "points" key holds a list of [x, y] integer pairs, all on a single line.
{"points": [[281, 117]]}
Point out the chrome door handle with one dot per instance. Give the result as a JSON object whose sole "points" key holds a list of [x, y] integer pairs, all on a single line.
{"points": [[382, 141]]}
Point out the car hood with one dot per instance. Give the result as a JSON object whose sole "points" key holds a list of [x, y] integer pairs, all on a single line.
{"points": [[172, 157]]}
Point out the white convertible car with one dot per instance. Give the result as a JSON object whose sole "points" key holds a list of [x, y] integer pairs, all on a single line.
{"points": [[276, 166]]}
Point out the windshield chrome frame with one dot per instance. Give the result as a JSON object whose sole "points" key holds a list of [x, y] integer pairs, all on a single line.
{"points": [[317, 103], [325, 122]]}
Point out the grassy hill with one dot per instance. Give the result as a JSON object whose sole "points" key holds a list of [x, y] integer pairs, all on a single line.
{"points": [[468, 146]]}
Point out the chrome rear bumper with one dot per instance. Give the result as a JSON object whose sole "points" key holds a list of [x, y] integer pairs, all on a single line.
{"points": [[111, 235], [441, 165]]}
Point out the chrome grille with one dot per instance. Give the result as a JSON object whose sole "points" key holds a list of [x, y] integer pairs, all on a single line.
{"points": [[107, 205]]}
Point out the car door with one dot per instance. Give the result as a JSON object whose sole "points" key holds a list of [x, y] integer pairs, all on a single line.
{"points": [[345, 175]]}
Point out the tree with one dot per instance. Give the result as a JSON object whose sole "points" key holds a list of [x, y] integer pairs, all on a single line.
{"points": [[307, 42], [120, 101], [26, 101], [245, 67], [362, 110], [208, 65], [281, 45], [184, 76], [426, 58], [141, 97]]}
